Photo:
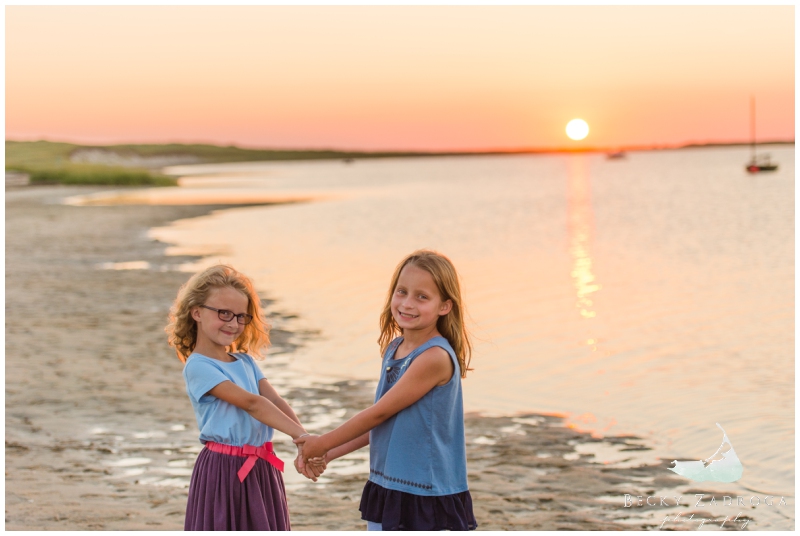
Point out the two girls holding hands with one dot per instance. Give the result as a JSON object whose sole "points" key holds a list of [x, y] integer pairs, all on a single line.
{"points": [[415, 429]]}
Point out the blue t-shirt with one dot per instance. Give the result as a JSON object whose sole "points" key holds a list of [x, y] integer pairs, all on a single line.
{"points": [[218, 420]]}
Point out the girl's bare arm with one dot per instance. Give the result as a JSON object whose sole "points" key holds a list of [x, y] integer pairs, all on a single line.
{"points": [[433, 367], [259, 407], [351, 446], [266, 390]]}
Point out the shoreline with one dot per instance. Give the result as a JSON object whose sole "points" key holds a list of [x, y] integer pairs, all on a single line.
{"points": [[101, 436]]}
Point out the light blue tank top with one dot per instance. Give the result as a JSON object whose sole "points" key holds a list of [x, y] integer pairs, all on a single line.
{"points": [[421, 450]]}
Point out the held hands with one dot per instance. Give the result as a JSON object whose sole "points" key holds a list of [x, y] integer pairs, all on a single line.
{"points": [[310, 468], [312, 446], [310, 460]]}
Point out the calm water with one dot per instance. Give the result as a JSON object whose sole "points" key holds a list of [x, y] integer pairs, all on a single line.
{"points": [[652, 295]]}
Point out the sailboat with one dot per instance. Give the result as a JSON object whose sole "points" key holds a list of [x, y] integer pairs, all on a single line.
{"points": [[757, 164]]}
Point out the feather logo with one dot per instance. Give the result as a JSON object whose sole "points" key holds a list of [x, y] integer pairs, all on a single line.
{"points": [[722, 466]]}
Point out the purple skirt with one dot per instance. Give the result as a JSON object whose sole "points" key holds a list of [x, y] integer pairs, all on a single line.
{"points": [[218, 501]]}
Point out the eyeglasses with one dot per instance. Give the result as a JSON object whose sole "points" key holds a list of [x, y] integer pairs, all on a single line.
{"points": [[227, 316]]}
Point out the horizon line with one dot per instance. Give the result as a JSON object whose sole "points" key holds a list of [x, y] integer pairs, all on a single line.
{"points": [[434, 152]]}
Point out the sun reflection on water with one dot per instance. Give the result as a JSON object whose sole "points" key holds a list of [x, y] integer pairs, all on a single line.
{"points": [[581, 227]]}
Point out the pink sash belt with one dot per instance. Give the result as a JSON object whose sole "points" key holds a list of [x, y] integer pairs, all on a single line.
{"points": [[252, 454]]}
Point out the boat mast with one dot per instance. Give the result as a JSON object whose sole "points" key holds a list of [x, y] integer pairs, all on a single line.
{"points": [[752, 128]]}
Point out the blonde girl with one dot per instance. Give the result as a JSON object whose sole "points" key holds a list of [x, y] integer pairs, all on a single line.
{"points": [[217, 328], [415, 429]]}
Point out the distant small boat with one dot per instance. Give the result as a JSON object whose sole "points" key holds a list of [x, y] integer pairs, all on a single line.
{"points": [[757, 163], [760, 163], [615, 155]]}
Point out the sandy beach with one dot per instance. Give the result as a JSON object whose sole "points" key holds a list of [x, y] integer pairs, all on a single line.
{"points": [[100, 434]]}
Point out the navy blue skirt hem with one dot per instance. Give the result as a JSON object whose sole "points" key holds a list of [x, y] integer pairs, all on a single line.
{"points": [[398, 510]]}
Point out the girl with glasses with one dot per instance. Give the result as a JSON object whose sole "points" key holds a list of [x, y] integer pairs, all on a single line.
{"points": [[217, 328]]}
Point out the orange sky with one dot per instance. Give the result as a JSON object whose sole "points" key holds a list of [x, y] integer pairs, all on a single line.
{"points": [[379, 77]]}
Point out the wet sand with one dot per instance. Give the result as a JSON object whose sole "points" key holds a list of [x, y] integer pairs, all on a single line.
{"points": [[100, 434]]}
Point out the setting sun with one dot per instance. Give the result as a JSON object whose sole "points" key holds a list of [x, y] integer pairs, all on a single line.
{"points": [[577, 129]]}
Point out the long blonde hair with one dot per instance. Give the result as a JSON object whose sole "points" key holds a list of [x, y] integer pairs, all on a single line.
{"points": [[451, 325], [182, 328]]}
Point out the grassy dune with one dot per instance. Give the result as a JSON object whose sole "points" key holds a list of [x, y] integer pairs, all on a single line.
{"points": [[54, 162], [231, 153], [49, 162]]}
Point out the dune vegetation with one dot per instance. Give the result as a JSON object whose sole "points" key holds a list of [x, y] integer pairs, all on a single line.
{"points": [[129, 165]]}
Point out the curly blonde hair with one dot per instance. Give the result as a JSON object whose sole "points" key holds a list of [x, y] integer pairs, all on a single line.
{"points": [[451, 325], [182, 328]]}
